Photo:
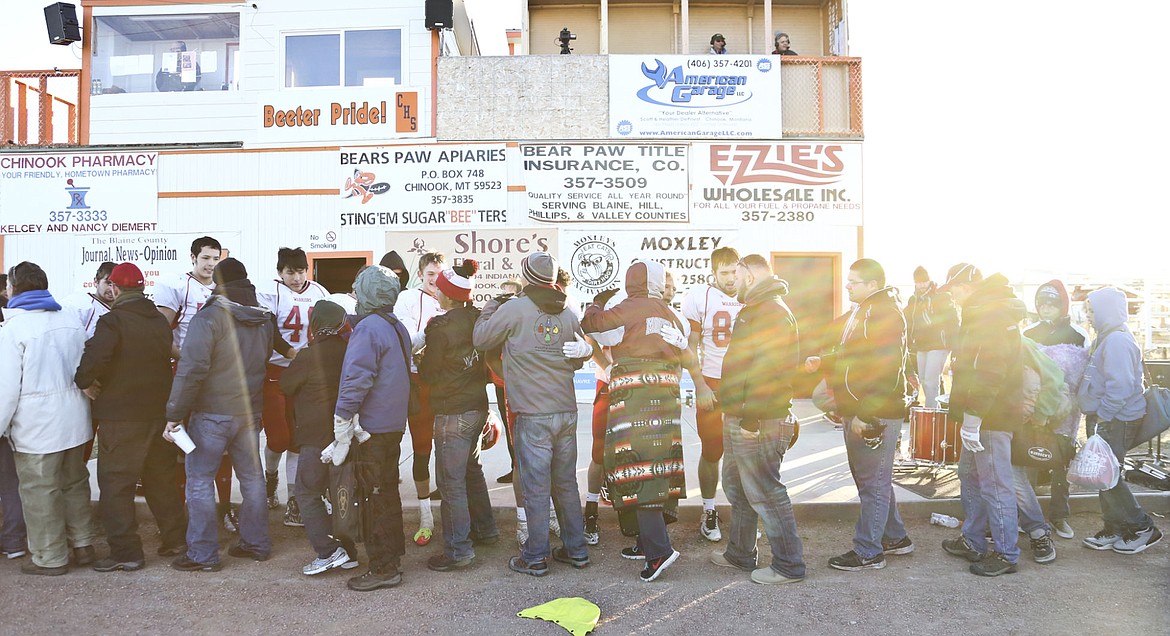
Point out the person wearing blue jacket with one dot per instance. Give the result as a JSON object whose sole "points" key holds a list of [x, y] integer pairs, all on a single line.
{"points": [[375, 389], [1111, 397]]}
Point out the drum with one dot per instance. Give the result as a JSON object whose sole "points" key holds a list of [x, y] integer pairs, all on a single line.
{"points": [[933, 437]]}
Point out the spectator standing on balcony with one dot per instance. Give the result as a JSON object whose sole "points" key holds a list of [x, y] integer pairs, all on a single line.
{"points": [[718, 45], [783, 42]]}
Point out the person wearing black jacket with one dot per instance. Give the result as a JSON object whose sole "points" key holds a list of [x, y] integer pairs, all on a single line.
{"points": [[869, 385], [756, 397], [457, 376], [311, 384], [126, 371]]}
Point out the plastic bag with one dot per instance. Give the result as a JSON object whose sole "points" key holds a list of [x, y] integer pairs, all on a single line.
{"points": [[1095, 466]]}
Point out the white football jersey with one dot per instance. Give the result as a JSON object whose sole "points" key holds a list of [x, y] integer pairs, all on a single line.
{"points": [[414, 309], [715, 312], [184, 295], [89, 308], [292, 310]]}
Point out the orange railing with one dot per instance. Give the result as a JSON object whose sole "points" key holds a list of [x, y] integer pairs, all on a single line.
{"points": [[52, 105], [822, 96]]}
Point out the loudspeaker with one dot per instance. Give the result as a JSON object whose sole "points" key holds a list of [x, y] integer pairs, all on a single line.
{"points": [[440, 14], [61, 20]]}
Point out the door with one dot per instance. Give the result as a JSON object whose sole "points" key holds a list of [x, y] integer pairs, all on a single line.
{"points": [[336, 270], [814, 296]]}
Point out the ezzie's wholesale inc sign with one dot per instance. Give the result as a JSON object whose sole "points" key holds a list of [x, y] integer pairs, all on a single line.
{"points": [[73, 193]]}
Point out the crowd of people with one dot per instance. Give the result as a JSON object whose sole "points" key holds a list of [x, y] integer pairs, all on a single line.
{"points": [[178, 388]]}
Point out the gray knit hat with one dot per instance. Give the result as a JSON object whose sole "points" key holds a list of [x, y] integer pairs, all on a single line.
{"points": [[375, 287], [539, 268]]}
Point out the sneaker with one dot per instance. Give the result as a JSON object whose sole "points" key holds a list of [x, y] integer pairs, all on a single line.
{"points": [[423, 536], [993, 564], [521, 533], [562, 555], [768, 576], [172, 550], [271, 481], [1135, 542], [959, 547], [184, 564], [719, 558], [83, 555], [231, 520], [339, 558], [536, 568], [1103, 540], [654, 567], [444, 563], [592, 532], [33, 568], [1042, 549], [241, 552], [109, 564], [1062, 529], [554, 524], [905, 546], [635, 553], [853, 562], [372, 580], [505, 479], [292, 514], [15, 553], [709, 528]]}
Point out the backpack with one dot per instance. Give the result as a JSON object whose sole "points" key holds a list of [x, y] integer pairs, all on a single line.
{"points": [[1046, 397]]}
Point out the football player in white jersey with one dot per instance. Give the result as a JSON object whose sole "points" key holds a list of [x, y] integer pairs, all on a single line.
{"points": [[290, 297], [415, 308], [93, 305], [711, 311]]}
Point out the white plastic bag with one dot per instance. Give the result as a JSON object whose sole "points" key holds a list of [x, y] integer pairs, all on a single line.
{"points": [[1095, 466]]}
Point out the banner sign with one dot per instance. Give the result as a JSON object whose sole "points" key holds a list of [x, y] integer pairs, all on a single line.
{"points": [[165, 256], [610, 183], [433, 184], [694, 96], [598, 261], [79, 193], [499, 252], [800, 182]]}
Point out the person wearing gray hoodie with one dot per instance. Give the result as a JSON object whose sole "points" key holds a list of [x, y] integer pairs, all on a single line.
{"points": [[1111, 397]]}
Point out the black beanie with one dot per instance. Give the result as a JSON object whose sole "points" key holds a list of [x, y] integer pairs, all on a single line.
{"points": [[229, 270], [920, 275]]}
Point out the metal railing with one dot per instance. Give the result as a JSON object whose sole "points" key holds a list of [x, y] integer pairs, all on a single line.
{"points": [[39, 108]]}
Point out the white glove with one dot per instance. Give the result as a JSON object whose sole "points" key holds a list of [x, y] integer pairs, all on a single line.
{"points": [[673, 336], [578, 348], [343, 433], [327, 453], [969, 432], [418, 341], [359, 432]]}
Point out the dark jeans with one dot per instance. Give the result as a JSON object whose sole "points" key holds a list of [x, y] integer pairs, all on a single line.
{"points": [[312, 482], [466, 506], [13, 537], [129, 451], [1118, 506], [377, 474], [652, 536]]}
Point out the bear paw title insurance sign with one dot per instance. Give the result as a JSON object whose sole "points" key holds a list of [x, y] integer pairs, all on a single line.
{"points": [[694, 96]]}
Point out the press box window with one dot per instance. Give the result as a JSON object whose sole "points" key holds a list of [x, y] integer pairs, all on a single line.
{"points": [[359, 57], [165, 53]]}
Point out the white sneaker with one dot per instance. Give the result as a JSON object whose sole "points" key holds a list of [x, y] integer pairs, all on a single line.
{"points": [[521, 533], [1062, 529], [709, 527], [592, 532], [338, 559]]}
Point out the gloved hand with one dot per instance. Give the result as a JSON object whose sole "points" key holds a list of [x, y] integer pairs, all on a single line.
{"points": [[673, 336], [343, 433], [358, 432], [969, 432], [578, 348], [327, 453]]}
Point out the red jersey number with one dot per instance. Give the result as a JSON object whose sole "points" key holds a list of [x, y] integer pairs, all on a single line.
{"points": [[294, 324], [721, 329]]}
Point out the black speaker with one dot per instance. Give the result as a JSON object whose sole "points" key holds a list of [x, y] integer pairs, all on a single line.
{"points": [[440, 14], [61, 19]]}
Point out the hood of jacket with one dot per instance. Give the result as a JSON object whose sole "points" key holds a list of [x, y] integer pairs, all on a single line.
{"points": [[242, 314], [135, 301], [550, 300], [766, 289], [994, 302], [1109, 309], [392, 261], [240, 291], [645, 279], [1053, 290]]}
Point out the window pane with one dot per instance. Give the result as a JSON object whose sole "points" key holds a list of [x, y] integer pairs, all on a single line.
{"points": [[373, 58], [312, 60], [162, 53]]}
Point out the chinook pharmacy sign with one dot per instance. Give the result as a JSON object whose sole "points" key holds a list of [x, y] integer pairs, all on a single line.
{"points": [[694, 96]]}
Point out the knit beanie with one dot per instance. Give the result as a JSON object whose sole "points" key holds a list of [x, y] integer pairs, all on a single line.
{"points": [[127, 276], [920, 275], [229, 270], [1053, 293], [327, 319], [539, 268], [391, 260], [375, 287], [455, 282]]}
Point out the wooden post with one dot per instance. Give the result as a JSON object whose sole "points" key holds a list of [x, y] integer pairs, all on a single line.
{"points": [[21, 113], [5, 108], [45, 108]]}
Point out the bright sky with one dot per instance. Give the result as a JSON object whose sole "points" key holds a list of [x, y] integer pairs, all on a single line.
{"points": [[1025, 137]]}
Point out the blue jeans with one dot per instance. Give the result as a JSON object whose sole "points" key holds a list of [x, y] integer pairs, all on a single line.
{"points": [[13, 537], [751, 481], [1119, 509], [1031, 515], [873, 473], [312, 482], [988, 495], [466, 507], [546, 456], [240, 437]]}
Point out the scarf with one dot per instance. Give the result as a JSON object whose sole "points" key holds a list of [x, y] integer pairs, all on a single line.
{"points": [[128, 295], [34, 299]]}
